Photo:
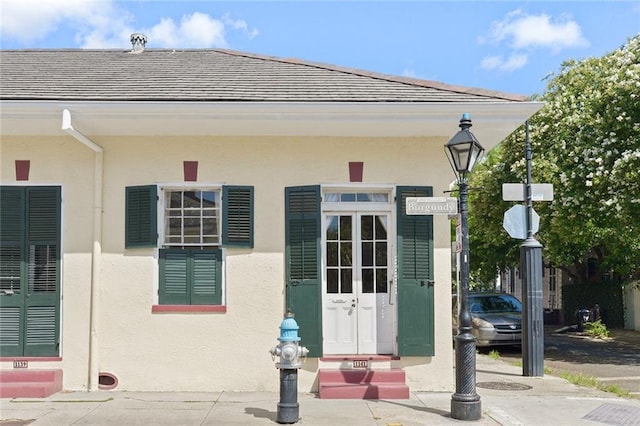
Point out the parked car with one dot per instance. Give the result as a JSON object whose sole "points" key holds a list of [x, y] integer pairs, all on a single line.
{"points": [[496, 319]]}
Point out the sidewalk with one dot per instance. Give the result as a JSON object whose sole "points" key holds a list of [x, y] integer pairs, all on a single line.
{"points": [[507, 399]]}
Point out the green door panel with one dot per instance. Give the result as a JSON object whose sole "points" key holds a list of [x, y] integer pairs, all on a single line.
{"points": [[30, 224], [415, 277], [302, 253]]}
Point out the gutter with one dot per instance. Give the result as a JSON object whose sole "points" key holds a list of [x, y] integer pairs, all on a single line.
{"points": [[96, 254]]}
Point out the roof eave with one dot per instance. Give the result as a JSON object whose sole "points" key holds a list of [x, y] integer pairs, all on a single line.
{"points": [[493, 121]]}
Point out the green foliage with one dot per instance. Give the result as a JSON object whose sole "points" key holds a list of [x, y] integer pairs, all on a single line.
{"points": [[586, 143], [493, 354], [591, 382], [608, 295], [596, 329]]}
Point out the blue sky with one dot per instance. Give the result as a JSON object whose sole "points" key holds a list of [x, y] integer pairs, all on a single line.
{"points": [[509, 46]]}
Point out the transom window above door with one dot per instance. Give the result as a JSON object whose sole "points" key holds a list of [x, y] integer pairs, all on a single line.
{"points": [[355, 197]]}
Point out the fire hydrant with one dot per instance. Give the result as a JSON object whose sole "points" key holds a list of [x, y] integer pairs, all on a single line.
{"points": [[290, 353]]}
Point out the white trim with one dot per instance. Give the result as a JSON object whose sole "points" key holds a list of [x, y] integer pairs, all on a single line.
{"points": [[493, 121]]}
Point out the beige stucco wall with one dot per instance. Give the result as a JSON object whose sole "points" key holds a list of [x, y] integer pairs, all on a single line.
{"points": [[211, 351]]}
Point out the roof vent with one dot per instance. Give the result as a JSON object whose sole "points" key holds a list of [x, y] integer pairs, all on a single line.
{"points": [[138, 42]]}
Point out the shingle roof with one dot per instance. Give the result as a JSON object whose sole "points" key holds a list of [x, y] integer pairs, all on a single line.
{"points": [[209, 75]]}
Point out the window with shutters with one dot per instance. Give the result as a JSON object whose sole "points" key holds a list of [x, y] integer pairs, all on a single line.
{"points": [[194, 225]]}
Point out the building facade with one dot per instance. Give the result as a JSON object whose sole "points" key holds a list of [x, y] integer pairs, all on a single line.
{"points": [[162, 209]]}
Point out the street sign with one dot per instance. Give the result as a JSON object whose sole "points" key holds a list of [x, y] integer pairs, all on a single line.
{"points": [[518, 191], [431, 205], [515, 221]]}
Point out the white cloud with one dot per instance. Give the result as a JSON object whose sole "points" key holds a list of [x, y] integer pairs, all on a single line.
{"points": [[28, 20], [521, 31], [512, 63], [102, 24], [197, 30]]}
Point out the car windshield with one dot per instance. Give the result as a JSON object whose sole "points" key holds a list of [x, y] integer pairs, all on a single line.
{"points": [[489, 304]]}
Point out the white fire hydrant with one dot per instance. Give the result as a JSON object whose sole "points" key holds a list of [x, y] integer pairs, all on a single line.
{"points": [[290, 353]]}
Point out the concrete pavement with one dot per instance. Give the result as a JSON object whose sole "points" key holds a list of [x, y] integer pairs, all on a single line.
{"points": [[507, 398]]}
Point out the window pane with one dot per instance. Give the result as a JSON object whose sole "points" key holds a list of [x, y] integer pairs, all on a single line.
{"points": [[190, 200], [367, 280], [192, 212], [381, 280], [210, 199], [209, 226], [347, 284], [175, 199], [192, 239], [380, 198], [331, 197], [332, 280], [347, 197], [192, 226], [363, 197], [174, 227]]}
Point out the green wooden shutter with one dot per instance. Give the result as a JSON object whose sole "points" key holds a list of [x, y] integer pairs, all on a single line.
{"points": [[42, 321], [141, 216], [206, 277], [237, 216], [303, 276], [190, 277], [173, 288], [12, 223], [415, 277]]}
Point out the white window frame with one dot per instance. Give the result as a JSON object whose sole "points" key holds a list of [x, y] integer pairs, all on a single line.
{"points": [[162, 216]]}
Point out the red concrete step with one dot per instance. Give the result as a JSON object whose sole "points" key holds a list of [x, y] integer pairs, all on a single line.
{"points": [[29, 383], [362, 384]]}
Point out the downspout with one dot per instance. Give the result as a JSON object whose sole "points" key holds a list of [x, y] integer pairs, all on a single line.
{"points": [[96, 254]]}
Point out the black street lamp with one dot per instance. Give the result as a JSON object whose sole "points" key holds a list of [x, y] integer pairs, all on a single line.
{"points": [[464, 151]]}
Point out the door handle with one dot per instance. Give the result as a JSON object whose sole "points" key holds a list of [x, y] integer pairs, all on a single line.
{"points": [[353, 303]]}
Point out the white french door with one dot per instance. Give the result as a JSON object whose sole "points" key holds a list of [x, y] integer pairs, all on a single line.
{"points": [[358, 314]]}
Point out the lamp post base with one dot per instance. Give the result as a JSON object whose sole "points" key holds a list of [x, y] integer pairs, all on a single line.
{"points": [[466, 409]]}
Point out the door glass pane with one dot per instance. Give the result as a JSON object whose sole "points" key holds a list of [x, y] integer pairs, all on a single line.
{"points": [[381, 227], [332, 254], [367, 280], [332, 228], [347, 283], [381, 280], [367, 254], [345, 228], [332, 280], [366, 225], [346, 254], [381, 253]]}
